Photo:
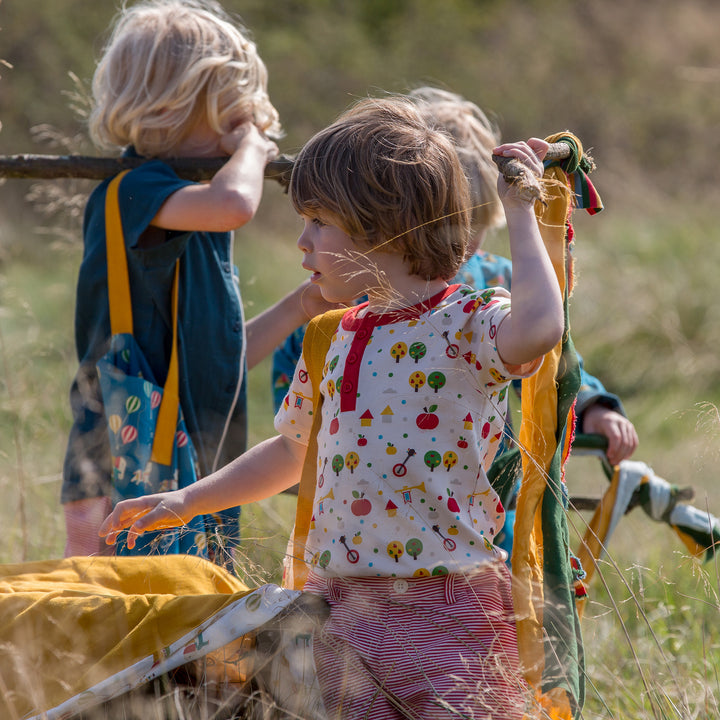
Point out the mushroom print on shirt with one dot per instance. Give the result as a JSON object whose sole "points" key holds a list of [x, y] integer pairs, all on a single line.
{"points": [[413, 410]]}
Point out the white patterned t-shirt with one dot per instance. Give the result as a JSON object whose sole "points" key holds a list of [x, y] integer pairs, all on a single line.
{"points": [[413, 408]]}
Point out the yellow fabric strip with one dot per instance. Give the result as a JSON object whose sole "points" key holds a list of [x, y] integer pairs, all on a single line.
{"points": [[167, 420], [555, 705], [694, 547], [597, 530], [538, 445], [316, 342], [121, 321]]}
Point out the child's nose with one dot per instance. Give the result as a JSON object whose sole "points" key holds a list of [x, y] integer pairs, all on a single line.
{"points": [[303, 242]]}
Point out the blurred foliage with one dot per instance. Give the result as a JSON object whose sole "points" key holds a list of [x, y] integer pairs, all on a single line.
{"points": [[638, 83]]}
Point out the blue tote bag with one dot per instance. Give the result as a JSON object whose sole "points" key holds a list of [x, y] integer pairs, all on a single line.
{"points": [[149, 443]]}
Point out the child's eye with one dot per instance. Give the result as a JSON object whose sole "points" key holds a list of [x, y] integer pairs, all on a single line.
{"points": [[318, 222]]}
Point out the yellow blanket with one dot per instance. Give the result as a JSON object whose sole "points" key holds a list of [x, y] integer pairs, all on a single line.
{"points": [[67, 625]]}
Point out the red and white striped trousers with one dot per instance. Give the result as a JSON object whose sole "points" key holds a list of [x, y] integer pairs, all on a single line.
{"points": [[421, 648]]}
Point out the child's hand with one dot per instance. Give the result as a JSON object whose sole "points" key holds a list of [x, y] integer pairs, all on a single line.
{"points": [[531, 154], [312, 301], [152, 512], [620, 432], [246, 134]]}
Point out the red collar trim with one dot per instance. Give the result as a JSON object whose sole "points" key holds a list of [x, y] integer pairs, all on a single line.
{"points": [[351, 321], [363, 329]]}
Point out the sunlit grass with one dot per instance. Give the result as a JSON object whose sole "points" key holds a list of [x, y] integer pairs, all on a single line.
{"points": [[36, 346], [650, 626], [668, 613]]}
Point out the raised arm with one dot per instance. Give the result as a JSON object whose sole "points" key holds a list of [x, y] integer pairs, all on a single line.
{"points": [[265, 470], [233, 195], [536, 321]]}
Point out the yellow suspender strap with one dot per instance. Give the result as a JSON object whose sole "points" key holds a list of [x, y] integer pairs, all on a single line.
{"points": [[316, 343], [121, 321], [166, 425]]}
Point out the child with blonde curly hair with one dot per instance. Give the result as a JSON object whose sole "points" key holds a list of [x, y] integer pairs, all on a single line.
{"points": [[177, 78]]}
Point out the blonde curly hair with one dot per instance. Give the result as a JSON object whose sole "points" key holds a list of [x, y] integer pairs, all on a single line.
{"points": [[475, 137], [170, 64]]}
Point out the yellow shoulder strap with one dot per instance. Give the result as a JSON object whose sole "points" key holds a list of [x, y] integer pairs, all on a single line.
{"points": [[121, 320], [167, 420], [316, 343]]}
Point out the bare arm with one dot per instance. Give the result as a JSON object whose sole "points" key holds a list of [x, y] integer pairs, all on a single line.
{"points": [[535, 324], [270, 328], [232, 197], [265, 470]]}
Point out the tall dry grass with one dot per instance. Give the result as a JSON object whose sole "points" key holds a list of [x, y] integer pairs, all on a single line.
{"points": [[644, 313], [651, 637]]}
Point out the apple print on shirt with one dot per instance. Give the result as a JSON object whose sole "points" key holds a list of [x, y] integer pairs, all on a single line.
{"points": [[413, 404]]}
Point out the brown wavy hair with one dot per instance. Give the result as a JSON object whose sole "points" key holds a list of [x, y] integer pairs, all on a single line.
{"points": [[475, 136], [390, 181]]}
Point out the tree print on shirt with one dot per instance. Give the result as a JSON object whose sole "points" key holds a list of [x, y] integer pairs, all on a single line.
{"points": [[417, 351]]}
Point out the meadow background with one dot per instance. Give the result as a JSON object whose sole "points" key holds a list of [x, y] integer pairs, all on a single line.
{"points": [[636, 81]]}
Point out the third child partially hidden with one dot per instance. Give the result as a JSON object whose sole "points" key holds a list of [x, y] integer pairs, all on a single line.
{"points": [[413, 398]]}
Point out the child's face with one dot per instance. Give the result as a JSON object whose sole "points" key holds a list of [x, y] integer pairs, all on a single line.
{"points": [[339, 266]]}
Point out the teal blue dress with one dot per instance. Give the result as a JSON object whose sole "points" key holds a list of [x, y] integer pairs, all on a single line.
{"points": [[210, 334]]}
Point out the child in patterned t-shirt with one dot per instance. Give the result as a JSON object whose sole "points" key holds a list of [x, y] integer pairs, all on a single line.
{"points": [[411, 403]]}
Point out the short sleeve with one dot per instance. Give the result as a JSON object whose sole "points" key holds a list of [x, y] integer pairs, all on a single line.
{"points": [[141, 194], [294, 419], [284, 360], [488, 310]]}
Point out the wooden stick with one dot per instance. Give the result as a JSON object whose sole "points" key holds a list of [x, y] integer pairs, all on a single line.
{"points": [[515, 172], [512, 168], [52, 167]]}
